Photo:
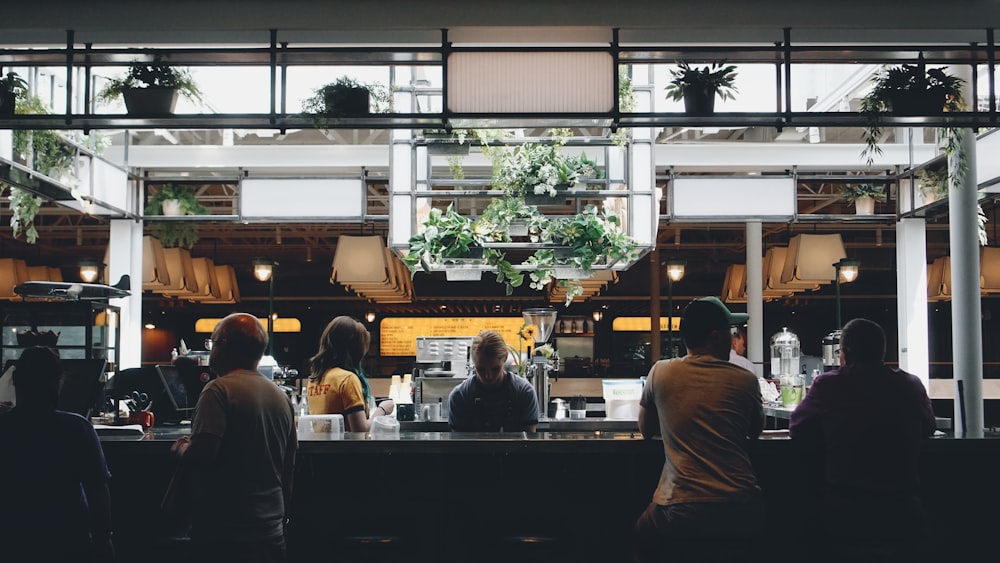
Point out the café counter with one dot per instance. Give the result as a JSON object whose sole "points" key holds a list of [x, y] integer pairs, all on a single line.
{"points": [[439, 496]]}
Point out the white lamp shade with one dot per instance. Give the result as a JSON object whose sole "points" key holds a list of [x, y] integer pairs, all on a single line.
{"points": [[229, 291], [12, 272], [360, 259], [774, 261], [181, 269], [810, 258], [154, 265]]}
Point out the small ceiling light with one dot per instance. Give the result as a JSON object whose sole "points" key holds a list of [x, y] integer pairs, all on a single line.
{"points": [[149, 326], [370, 316], [598, 315], [263, 268], [675, 269], [89, 270]]}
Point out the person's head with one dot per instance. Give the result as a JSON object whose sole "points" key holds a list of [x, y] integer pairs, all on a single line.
{"points": [[37, 374], [343, 344], [862, 341], [238, 342], [739, 337], [705, 326], [489, 354]]}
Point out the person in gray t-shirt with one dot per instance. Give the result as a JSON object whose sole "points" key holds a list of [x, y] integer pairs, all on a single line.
{"points": [[494, 400]]}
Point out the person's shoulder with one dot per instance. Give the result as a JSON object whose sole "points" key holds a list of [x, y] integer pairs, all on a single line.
{"points": [[521, 383], [463, 388]]}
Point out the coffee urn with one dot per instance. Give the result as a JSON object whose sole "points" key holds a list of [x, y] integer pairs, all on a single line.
{"points": [[831, 351]]}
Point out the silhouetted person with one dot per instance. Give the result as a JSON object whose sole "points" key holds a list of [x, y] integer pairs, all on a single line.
{"points": [[862, 425], [54, 504], [707, 505], [241, 452]]}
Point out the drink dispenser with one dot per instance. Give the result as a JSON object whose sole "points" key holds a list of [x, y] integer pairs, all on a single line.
{"points": [[831, 350], [785, 365]]}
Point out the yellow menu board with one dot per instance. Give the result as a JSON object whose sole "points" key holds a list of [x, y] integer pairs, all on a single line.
{"points": [[642, 324], [398, 335]]}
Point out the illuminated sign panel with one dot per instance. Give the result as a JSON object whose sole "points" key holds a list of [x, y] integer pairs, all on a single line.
{"points": [[398, 336]]}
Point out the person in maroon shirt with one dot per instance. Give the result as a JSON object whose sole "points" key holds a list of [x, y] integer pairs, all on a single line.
{"points": [[862, 426]]}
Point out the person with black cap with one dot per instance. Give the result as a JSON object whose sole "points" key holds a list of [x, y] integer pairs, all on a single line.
{"points": [[706, 410]]}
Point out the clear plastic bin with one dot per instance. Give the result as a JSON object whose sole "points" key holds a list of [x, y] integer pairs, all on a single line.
{"points": [[321, 427]]}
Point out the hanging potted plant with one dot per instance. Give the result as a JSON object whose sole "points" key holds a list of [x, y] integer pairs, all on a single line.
{"points": [[507, 217], [175, 200], [908, 90], [698, 87], [346, 97], [24, 206], [933, 184], [538, 172], [151, 89], [12, 89], [863, 196], [448, 143]]}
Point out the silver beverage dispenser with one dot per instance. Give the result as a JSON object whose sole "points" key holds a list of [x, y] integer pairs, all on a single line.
{"points": [[786, 354], [831, 351]]}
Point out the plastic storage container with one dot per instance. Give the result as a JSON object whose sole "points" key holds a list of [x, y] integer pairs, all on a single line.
{"points": [[385, 427], [321, 427], [621, 398]]}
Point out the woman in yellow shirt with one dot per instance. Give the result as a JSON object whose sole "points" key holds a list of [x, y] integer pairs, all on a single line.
{"points": [[337, 383]]}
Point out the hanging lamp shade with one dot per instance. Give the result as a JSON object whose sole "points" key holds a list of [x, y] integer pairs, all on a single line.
{"points": [[44, 273], [229, 291], [939, 279], [360, 259], [989, 269], [154, 265], [774, 261], [810, 258], [207, 278], [13, 271], [734, 284], [181, 270]]}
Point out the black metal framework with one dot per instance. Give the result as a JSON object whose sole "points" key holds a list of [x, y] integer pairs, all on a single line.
{"points": [[784, 55]]}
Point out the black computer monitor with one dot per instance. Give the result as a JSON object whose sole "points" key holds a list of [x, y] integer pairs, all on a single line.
{"points": [[81, 385], [181, 387]]}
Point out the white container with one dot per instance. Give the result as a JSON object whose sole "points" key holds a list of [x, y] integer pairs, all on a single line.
{"points": [[577, 414], [621, 398], [385, 427], [321, 427]]}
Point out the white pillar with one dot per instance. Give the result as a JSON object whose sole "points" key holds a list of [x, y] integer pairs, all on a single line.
{"points": [[755, 301], [966, 305], [125, 257], [911, 296]]}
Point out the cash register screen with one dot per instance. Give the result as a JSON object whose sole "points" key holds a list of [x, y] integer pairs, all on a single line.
{"points": [[81, 385]]}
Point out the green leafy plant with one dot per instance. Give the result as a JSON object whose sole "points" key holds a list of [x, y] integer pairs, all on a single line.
{"points": [[447, 236], [151, 75], [12, 89], [498, 217], [24, 206], [332, 100], [687, 82], [930, 91], [854, 192], [626, 103], [176, 233], [934, 182]]}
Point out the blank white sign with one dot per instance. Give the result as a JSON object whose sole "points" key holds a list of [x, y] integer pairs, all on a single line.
{"points": [[301, 198], [727, 199]]}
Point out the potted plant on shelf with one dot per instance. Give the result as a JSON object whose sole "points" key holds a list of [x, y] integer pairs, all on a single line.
{"points": [[151, 88], [698, 87], [346, 97], [589, 238], [863, 196], [12, 88], [908, 90], [175, 200], [933, 184], [535, 171], [507, 217], [447, 142]]}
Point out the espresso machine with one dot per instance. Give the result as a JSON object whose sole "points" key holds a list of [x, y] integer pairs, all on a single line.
{"points": [[442, 362], [540, 365], [831, 351]]}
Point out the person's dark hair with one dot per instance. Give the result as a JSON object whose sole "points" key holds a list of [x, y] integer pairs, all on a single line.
{"points": [[488, 344], [343, 345], [863, 341], [246, 340], [698, 321], [36, 376]]}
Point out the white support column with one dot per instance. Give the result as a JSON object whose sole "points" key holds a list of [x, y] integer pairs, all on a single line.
{"points": [[911, 296], [7, 144], [755, 301], [966, 305], [125, 257]]}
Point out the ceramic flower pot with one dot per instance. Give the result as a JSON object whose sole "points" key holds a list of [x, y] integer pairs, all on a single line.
{"points": [[347, 102], [864, 206], [915, 103], [699, 102], [172, 207], [7, 101]]}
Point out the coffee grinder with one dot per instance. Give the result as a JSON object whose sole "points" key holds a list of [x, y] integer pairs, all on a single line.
{"points": [[539, 367]]}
